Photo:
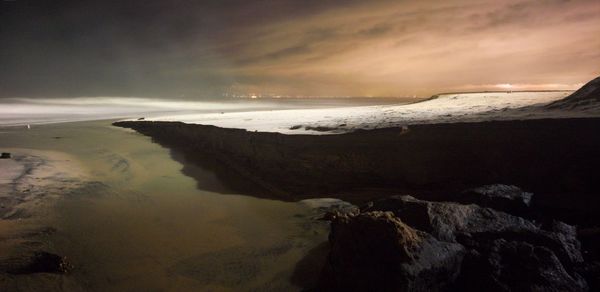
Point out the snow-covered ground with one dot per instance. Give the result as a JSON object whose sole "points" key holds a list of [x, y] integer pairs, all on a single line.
{"points": [[294, 116], [446, 108]]}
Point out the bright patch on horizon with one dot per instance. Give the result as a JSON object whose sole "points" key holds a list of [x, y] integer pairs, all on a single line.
{"points": [[505, 86]]}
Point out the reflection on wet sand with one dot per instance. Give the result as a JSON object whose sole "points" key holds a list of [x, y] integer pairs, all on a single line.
{"points": [[141, 224]]}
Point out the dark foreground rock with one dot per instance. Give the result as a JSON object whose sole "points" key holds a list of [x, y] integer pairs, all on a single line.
{"points": [[376, 251], [516, 266], [447, 221], [399, 243], [507, 198]]}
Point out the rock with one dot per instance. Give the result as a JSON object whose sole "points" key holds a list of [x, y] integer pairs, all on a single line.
{"points": [[553, 250], [471, 224], [38, 262], [446, 220], [591, 272], [565, 236], [376, 251], [5, 155], [516, 266], [507, 198]]}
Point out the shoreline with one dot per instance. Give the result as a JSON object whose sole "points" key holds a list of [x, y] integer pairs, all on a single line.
{"points": [[429, 161]]}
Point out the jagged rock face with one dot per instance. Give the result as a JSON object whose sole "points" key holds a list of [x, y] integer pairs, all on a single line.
{"points": [[503, 252], [516, 266], [507, 198], [447, 220], [463, 223], [376, 251]]}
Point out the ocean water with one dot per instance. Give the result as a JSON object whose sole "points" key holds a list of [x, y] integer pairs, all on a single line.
{"points": [[23, 111], [140, 224]]}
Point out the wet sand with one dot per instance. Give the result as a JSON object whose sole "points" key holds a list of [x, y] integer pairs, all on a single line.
{"points": [[139, 223], [32, 176], [31, 184]]}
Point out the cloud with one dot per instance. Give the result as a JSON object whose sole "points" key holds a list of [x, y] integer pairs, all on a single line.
{"points": [[309, 47], [288, 52]]}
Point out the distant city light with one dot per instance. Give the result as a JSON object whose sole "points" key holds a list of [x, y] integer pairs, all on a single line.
{"points": [[505, 86]]}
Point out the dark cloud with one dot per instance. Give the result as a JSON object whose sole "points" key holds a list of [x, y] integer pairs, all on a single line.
{"points": [[199, 48]]}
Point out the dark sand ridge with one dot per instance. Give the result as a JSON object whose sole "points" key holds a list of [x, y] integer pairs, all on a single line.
{"points": [[555, 159]]}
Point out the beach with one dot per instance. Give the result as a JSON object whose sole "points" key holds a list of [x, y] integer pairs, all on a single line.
{"points": [[120, 212], [138, 204]]}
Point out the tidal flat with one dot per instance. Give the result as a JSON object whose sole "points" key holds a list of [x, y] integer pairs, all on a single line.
{"points": [[129, 219]]}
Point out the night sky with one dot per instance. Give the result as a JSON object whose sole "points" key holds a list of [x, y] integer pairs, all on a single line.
{"points": [[201, 49]]}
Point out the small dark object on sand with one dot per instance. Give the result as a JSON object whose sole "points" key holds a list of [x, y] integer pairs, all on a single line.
{"points": [[39, 262], [141, 119], [296, 127], [5, 155], [319, 128]]}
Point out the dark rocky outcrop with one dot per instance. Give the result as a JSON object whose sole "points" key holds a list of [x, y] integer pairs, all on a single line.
{"points": [[5, 155], [507, 198], [502, 252], [446, 220], [376, 251], [430, 161], [516, 266]]}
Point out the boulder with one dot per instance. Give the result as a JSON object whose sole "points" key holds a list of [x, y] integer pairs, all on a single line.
{"points": [[5, 155], [376, 251], [446, 220], [507, 198], [503, 252], [516, 266], [472, 224]]}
